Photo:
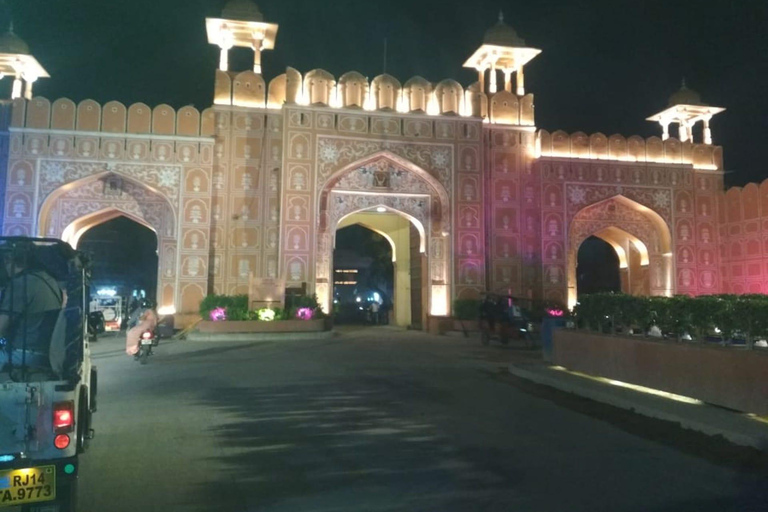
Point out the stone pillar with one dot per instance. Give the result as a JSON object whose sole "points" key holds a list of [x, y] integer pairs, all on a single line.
{"points": [[16, 91], [28, 91], [520, 79], [257, 46], [481, 79], [683, 131], [225, 43], [664, 129], [492, 88], [707, 131], [508, 80]]}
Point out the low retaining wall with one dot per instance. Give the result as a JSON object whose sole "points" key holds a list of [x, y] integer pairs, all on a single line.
{"points": [[729, 377], [319, 325]]}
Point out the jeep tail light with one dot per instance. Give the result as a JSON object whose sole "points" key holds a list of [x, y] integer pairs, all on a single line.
{"points": [[63, 417]]}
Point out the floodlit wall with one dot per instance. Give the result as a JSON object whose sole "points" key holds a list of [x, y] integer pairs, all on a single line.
{"points": [[71, 166], [744, 235]]}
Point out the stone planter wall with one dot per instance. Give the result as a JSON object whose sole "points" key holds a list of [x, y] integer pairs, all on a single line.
{"points": [[322, 324], [730, 377]]}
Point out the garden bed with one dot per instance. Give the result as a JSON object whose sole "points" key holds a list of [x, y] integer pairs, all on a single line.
{"points": [[255, 326], [728, 377]]}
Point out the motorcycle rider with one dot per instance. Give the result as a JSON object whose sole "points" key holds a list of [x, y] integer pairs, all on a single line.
{"points": [[142, 319]]}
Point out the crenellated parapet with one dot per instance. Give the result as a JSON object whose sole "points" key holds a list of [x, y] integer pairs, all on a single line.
{"points": [[384, 93], [598, 146], [111, 118]]}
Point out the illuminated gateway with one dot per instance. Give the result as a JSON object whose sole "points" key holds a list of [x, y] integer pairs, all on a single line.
{"points": [[246, 196]]}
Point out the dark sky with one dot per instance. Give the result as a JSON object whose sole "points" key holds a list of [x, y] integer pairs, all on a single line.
{"points": [[606, 64]]}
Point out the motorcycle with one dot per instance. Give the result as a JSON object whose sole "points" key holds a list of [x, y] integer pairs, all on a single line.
{"points": [[147, 341]]}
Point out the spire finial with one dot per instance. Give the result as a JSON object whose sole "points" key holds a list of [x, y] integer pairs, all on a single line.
{"points": [[501, 16], [10, 28], [683, 86]]}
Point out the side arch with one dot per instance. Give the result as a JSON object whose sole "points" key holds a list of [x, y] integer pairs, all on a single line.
{"points": [[636, 229]]}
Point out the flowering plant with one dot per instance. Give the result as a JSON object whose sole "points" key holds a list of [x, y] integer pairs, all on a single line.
{"points": [[218, 314], [305, 313], [266, 314]]}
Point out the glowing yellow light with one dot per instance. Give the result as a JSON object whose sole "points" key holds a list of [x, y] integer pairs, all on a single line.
{"points": [[634, 387], [433, 107], [167, 310], [439, 300]]}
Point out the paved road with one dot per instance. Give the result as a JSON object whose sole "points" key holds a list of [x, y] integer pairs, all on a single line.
{"points": [[373, 420]]}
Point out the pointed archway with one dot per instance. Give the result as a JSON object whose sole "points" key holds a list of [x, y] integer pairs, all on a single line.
{"points": [[640, 237], [72, 209], [384, 181]]}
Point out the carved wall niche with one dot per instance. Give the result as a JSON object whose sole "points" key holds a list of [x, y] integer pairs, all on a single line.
{"points": [[196, 182], [246, 178], [195, 212], [245, 208], [244, 237], [298, 177], [195, 239]]}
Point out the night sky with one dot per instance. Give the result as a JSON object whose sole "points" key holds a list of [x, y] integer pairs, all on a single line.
{"points": [[606, 64]]}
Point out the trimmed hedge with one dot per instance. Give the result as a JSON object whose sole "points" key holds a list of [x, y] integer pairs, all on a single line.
{"points": [[466, 309], [726, 316]]}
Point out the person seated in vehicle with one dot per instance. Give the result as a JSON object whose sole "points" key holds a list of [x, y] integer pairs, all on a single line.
{"points": [[29, 309], [146, 321]]}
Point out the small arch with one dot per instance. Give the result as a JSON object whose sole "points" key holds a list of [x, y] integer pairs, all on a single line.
{"points": [[248, 90], [417, 91], [292, 85], [39, 113], [88, 116], [318, 85], [188, 121], [353, 88], [63, 113], [164, 120], [139, 118], [386, 91], [505, 108], [222, 88], [450, 96], [277, 88], [113, 117]]}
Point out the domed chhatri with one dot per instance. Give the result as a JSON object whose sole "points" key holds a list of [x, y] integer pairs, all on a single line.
{"points": [[502, 50], [502, 34], [13, 44], [243, 10], [685, 96], [685, 108], [241, 25]]}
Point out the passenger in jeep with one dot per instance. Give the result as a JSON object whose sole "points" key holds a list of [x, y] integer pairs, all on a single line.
{"points": [[29, 308]]}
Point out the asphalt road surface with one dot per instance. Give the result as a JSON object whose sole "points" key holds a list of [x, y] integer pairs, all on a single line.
{"points": [[374, 420]]}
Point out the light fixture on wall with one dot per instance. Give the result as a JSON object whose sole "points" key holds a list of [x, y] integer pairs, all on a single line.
{"points": [[381, 209]]}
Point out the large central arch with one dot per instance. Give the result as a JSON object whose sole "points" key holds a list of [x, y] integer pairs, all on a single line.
{"points": [[74, 208], [386, 181], [640, 237]]}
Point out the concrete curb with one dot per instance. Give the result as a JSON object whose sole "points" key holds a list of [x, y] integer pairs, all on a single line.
{"points": [[731, 425], [197, 336]]}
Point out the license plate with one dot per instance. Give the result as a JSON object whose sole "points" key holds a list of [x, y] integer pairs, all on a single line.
{"points": [[146, 342], [30, 485]]}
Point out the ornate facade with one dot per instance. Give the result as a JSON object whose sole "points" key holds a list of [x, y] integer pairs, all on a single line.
{"points": [[250, 192]]}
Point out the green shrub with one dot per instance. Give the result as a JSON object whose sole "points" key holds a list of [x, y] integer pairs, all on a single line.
{"points": [[466, 309], [729, 315], [234, 304]]}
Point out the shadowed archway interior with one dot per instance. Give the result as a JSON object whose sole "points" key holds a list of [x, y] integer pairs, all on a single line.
{"points": [[124, 253], [597, 268]]}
